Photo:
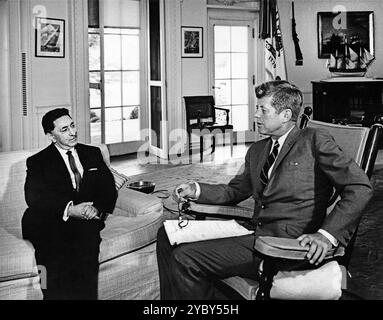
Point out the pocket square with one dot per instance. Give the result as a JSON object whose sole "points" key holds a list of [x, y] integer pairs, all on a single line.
{"points": [[92, 169]]}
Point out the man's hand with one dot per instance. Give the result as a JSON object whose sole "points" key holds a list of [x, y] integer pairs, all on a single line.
{"points": [[84, 211], [184, 192], [319, 246]]}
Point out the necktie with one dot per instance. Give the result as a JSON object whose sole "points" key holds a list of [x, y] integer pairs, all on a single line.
{"points": [[269, 162], [75, 171]]}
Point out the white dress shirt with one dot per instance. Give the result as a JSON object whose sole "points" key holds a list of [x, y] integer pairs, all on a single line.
{"points": [[281, 141], [73, 179]]}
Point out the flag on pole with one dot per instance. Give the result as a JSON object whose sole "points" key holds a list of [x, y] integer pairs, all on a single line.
{"points": [[270, 31]]}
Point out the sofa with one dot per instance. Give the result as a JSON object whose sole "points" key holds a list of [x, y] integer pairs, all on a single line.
{"points": [[128, 265]]}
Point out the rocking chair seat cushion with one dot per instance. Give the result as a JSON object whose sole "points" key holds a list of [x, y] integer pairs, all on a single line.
{"points": [[323, 283]]}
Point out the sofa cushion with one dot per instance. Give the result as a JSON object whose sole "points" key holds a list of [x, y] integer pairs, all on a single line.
{"points": [[119, 178], [17, 257], [12, 178], [122, 235], [132, 203]]}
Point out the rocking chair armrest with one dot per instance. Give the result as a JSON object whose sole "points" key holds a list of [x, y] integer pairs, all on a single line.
{"points": [[223, 109], [227, 212], [286, 248]]}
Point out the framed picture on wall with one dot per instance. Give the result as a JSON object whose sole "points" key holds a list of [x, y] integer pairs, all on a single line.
{"points": [[353, 28], [50, 38], [192, 44]]}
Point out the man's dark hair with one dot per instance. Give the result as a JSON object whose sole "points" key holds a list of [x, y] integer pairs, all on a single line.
{"points": [[51, 116], [284, 96]]}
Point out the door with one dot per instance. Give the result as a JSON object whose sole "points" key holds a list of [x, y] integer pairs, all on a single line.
{"points": [[233, 72], [158, 144]]}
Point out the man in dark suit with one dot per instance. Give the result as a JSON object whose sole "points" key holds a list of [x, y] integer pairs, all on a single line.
{"points": [[68, 190], [290, 176]]}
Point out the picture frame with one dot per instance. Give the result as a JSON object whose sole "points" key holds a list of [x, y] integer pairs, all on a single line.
{"points": [[334, 27], [50, 38], [192, 42]]}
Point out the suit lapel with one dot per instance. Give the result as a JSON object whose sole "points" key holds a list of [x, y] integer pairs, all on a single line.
{"points": [[59, 165], [290, 141], [82, 156]]}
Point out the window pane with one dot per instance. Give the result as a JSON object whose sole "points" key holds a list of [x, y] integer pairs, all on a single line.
{"points": [[239, 62], [156, 115], [132, 32], [95, 126], [113, 125], [220, 115], [122, 13], [131, 88], [223, 92], [112, 89], [130, 52], [239, 39], [93, 13], [239, 116], [113, 31], [94, 77], [155, 40], [94, 98], [221, 39], [131, 123], [112, 52], [94, 90], [240, 92], [222, 65], [94, 52]]}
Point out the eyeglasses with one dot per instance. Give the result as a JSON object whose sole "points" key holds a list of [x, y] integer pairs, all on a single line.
{"points": [[183, 221]]}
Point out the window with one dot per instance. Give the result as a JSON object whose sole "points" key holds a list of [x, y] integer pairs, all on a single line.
{"points": [[114, 37], [231, 51]]}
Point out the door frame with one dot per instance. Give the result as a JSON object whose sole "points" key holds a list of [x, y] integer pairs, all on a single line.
{"points": [[159, 152], [240, 18]]}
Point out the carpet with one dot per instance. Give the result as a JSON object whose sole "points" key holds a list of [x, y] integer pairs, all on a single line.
{"points": [[366, 265], [209, 172]]}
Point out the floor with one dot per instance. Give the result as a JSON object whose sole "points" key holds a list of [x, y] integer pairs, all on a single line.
{"points": [[367, 260], [131, 164]]}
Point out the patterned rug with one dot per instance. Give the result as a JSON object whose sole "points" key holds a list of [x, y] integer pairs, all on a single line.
{"points": [[366, 265], [209, 172]]}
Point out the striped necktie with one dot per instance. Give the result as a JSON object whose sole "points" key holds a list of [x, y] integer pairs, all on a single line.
{"points": [[75, 171], [269, 162]]}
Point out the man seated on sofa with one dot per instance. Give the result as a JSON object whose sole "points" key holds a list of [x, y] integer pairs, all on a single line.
{"points": [[68, 190], [291, 176]]}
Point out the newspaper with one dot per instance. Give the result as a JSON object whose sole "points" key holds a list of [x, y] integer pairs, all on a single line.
{"points": [[198, 230]]}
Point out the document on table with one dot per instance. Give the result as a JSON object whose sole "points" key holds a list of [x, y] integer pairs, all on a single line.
{"points": [[198, 230]]}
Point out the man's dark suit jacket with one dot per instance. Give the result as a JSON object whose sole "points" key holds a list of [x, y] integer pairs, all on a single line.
{"points": [[295, 199], [48, 187]]}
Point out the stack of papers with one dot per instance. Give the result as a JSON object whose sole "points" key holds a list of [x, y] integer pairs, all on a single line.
{"points": [[198, 230]]}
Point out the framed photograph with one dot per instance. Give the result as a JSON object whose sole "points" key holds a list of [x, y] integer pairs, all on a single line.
{"points": [[50, 38], [356, 28], [192, 44]]}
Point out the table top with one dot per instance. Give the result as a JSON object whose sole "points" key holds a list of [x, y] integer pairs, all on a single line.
{"points": [[350, 79]]}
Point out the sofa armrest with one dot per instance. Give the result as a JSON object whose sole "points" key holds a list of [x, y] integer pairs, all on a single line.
{"points": [[226, 212], [132, 203]]}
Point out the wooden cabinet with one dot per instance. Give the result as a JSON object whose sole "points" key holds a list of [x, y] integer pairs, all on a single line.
{"points": [[347, 101]]}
